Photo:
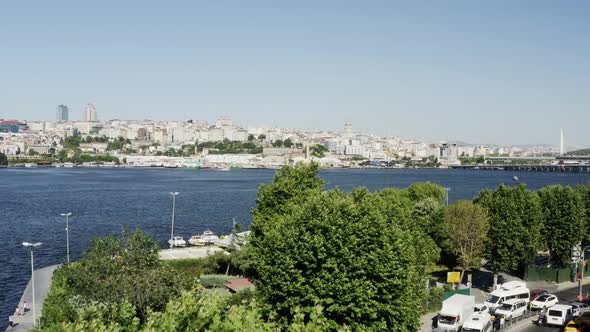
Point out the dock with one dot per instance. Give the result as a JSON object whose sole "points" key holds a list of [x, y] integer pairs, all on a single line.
{"points": [[42, 284], [188, 252], [559, 168]]}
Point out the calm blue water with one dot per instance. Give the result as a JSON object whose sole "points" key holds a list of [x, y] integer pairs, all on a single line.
{"points": [[103, 200]]}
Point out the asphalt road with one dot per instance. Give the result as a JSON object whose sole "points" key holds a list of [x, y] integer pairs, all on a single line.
{"points": [[565, 296]]}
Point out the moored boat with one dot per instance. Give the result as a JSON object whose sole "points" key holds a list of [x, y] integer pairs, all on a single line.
{"points": [[177, 241], [208, 237]]}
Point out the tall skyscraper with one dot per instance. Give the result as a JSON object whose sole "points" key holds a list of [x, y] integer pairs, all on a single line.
{"points": [[348, 130], [63, 113], [90, 113]]}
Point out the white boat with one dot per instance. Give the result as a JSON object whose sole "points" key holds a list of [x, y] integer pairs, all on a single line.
{"points": [[177, 241], [206, 238], [195, 240]]}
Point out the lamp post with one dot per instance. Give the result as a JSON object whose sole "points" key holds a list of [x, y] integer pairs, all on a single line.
{"points": [[67, 215], [172, 228], [32, 246], [448, 189]]}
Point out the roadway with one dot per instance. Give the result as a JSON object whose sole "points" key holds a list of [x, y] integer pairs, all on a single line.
{"points": [[565, 296]]}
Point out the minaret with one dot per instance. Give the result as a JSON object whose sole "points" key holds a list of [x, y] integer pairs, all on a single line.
{"points": [[561, 147]]}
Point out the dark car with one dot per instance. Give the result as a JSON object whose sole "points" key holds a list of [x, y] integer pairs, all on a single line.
{"points": [[536, 293]]}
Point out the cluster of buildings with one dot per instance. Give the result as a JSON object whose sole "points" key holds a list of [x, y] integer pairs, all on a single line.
{"points": [[146, 140]]}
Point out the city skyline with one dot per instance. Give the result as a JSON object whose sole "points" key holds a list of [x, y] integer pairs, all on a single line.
{"points": [[482, 73]]}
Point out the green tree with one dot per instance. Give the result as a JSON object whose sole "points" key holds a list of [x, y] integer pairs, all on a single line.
{"points": [[278, 143], [584, 192], [563, 221], [261, 137], [251, 137], [3, 159], [515, 225], [318, 150], [305, 246], [422, 190], [468, 226], [288, 143], [71, 142], [290, 184], [121, 278]]}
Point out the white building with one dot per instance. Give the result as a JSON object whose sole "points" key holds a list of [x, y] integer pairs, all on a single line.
{"points": [[90, 113]]}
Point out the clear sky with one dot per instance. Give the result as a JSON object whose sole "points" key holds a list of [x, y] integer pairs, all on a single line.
{"points": [[484, 72]]}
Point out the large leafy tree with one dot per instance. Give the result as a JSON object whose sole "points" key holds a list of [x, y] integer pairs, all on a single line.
{"points": [[420, 191], [290, 185], [563, 221], [584, 192], [349, 253], [515, 225], [468, 226], [3, 159], [121, 276]]}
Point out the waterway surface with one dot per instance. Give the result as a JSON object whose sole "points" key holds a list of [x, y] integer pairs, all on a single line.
{"points": [[103, 200]]}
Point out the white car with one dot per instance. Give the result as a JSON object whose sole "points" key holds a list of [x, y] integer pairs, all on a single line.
{"points": [[481, 308], [544, 301], [579, 308], [512, 309]]}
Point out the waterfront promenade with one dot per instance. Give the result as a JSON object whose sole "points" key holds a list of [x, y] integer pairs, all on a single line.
{"points": [[42, 285]]}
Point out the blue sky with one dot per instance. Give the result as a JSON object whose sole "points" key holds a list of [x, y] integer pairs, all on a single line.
{"points": [[496, 72]]}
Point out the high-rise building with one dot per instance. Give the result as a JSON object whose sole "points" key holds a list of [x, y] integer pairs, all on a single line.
{"points": [[348, 130], [63, 113], [90, 113]]}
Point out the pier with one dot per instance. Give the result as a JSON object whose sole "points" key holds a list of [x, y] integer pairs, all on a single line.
{"points": [[42, 284], [565, 168]]}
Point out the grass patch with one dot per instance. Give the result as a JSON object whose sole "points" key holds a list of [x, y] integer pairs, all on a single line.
{"points": [[190, 267]]}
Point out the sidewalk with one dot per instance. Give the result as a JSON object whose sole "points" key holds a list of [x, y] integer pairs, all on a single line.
{"points": [[42, 285]]}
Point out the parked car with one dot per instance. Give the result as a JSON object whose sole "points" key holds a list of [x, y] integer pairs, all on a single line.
{"points": [[536, 293], [512, 309], [544, 301], [579, 308]]}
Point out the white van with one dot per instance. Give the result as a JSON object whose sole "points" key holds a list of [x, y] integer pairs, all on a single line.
{"points": [[559, 314], [480, 322], [512, 308], [508, 291]]}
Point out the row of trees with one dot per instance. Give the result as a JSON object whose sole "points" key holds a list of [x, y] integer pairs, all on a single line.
{"points": [[322, 260]]}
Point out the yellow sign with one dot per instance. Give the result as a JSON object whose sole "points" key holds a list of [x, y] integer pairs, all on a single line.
{"points": [[453, 277]]}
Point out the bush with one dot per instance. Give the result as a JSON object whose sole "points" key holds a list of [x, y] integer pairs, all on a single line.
{"points": [[215, 280], [433, 301]]}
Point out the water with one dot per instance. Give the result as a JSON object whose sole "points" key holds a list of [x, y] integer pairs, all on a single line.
{"points": [[103, 200]]}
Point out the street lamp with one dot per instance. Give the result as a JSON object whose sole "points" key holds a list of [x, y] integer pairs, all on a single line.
{"points": [[172, 228], [67, 215], [448, 189], [32, 246]]}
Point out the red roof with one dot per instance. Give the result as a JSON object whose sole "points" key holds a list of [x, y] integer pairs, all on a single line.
{"points": [[237, 285], [12, 122]]}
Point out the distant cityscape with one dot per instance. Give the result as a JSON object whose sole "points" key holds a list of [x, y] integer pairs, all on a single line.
{"points": [[224, 143]]}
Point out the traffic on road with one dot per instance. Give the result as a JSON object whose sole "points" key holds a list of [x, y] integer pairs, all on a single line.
{"points": [[514, 307]]}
